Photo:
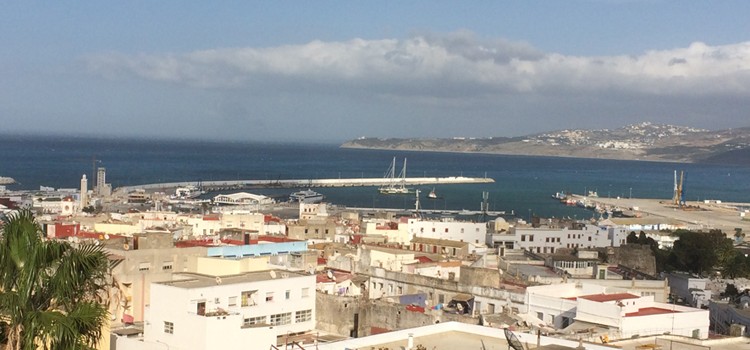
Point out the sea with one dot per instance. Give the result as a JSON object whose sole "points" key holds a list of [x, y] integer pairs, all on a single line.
{"points": [[523, 185]]}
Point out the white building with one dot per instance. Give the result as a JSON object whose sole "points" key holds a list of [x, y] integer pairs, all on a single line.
{"points": [[202, 312], [244, 199], [692, 289], [617, 315], [448, 229], [548, 240]]}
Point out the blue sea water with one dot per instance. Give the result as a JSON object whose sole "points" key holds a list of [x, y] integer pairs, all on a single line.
{"points": [[523, 184]]}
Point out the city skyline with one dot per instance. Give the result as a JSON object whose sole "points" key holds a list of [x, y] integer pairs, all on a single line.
{"points": [[335, 71]]}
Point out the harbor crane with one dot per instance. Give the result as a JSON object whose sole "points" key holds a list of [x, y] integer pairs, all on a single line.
{"points": [[678, 198]]}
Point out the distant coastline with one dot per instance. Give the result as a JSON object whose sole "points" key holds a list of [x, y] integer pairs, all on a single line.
{"points": [[640, 142]]}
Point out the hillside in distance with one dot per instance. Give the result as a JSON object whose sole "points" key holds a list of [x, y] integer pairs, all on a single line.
{"points": [[644, 141]]}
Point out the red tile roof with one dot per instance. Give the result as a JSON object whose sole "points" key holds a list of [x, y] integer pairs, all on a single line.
{"points": [[609, 297], [423, 259], [646, 311]]}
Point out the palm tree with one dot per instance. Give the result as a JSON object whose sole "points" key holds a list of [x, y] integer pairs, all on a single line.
{"points": [[52, 294]]}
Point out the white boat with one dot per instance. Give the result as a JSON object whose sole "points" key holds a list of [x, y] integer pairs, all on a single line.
{"points": [[395, 185], [306, 196], [187, 192], [432, 194]]}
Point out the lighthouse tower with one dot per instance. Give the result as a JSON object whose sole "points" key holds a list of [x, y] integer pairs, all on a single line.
{"points": [[84, 192]]}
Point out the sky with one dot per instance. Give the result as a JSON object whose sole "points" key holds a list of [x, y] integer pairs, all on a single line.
{"points": [[330, 71]]}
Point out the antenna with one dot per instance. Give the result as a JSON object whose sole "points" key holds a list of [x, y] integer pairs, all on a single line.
{"points": [[513, 341]]}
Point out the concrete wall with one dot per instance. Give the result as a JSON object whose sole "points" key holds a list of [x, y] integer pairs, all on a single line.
{"points": [[635, 256], [337, 314], [221, 266]]}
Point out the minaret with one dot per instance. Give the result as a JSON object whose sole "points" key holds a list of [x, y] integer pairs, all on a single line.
{"points": [[84, 192]]}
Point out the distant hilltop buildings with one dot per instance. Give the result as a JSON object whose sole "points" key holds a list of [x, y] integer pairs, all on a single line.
{"points": [[644, 141]]}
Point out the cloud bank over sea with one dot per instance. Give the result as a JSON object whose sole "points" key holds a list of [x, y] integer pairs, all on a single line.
{"points": [[454, 65]]}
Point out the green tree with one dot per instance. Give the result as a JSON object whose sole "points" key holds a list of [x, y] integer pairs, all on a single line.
{"points": [[631, 238], [52, 295], [700, 252]]}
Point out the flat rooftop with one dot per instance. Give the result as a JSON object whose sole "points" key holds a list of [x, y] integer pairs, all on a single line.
{"points": [[601, 298], [195, 280], [452, 336]]}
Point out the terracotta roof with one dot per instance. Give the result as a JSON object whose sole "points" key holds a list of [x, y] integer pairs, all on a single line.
{"points": [[609, 297], [646, 311], [423, 259]]}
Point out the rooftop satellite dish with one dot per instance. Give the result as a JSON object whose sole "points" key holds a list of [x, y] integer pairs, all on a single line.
{"points": [[329, 274], [513, 341], [218, 280], [273, 274], [106, 236]]}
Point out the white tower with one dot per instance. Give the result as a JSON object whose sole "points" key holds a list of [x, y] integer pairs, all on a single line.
{"points": [[84, 192]]}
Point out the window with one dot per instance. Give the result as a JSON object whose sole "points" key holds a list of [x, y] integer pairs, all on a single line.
{"points": [[441, 298], [280, 319], [400, 290], [531, 238], [254, 320], [306, 291], [269, 297], [248, 297], [446, 230], [462, 230], [144, 266], [168, 327], [232, 301], [523, 238], [167, 266], [287, 294], [302, 316], [540, 316]]}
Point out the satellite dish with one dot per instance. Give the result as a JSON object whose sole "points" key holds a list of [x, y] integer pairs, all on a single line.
{"points": [[126, 246], [218, 280], [273, 274], [513, 341], [329, 274], [106, 236]]}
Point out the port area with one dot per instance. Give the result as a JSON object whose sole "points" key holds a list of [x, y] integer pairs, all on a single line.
{"points": [[300, 183], [701, 215]]}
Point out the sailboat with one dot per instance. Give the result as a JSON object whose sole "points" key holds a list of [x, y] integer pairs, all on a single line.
{"points": [[432, 194], [395, 185]]}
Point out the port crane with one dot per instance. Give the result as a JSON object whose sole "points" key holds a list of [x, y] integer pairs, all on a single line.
{"points": [[678, 198]]}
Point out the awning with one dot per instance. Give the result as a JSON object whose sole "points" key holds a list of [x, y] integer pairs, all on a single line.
{"points": [[463, 297]]}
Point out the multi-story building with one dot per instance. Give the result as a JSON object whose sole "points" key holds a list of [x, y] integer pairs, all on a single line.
{"points": [[546, 240], [616, 314], [460, 231], [202, 312]]}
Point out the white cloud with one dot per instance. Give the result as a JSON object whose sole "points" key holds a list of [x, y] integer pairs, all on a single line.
{"points": [[457, 64]]}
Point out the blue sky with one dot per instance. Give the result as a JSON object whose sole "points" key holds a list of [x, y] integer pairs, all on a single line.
{"points": [[331, 71]]}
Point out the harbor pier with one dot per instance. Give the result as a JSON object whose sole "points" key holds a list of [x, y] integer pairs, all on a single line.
{"points": [[311, 183], [710, 214]]}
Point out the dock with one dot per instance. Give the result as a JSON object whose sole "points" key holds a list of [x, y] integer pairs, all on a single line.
{"points": [[432, 211], [311, 183], [698, 215]]}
